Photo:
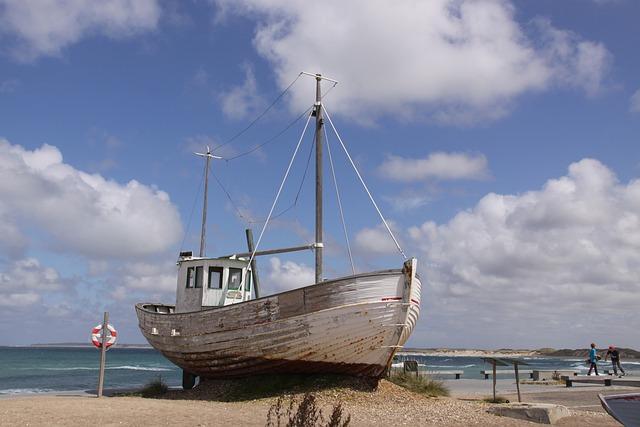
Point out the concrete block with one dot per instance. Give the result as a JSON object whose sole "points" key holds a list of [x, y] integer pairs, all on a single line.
{"points": [[542, 413]]}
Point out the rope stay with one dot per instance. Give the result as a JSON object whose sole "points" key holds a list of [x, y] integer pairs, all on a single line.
{"points": [[273, 138], [249, 220], [273, 205], [363, 184], [235, 206], [335, 182], [254, 121], [193, 206]]}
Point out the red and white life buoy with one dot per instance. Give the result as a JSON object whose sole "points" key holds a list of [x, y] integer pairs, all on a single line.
{"points": [[96, 336]]}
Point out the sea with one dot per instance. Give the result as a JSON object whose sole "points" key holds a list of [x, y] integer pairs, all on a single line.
{"points": [[37, 370], [471, 366], [31, 370]]}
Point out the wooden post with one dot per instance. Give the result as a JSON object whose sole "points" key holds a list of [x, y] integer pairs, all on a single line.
{"points": [[254, 265], [494, 380], [103, 352], [515, 366]]}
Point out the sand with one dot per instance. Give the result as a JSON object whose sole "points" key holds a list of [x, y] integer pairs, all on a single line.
{"points": [[389, 405]]}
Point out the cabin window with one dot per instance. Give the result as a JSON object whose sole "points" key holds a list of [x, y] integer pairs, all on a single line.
{"points": [[215, 277], [190, 277], [235, 278], [199, 271]]}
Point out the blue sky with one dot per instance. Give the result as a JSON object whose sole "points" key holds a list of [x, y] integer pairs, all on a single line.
{"points": [[499, 137]]}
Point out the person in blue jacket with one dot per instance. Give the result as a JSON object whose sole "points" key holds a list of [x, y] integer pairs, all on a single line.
{"points": [[593, 359]]}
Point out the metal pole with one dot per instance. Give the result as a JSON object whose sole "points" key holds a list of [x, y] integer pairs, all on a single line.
{"points": [[254, 265], [515, 366], [103, 352], [494, 381], [204, 207], [319, 124]]}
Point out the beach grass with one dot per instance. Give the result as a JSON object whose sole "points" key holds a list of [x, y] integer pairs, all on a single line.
{"points": [[420, 384], [498, 399], [305, 413], [154, 388]]}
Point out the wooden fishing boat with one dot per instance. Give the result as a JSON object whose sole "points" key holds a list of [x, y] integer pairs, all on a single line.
{"points": [[625, 408], [220, 327]]}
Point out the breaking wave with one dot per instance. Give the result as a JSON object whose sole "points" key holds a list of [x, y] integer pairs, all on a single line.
{"points": [[25, 390], [124, 367]]}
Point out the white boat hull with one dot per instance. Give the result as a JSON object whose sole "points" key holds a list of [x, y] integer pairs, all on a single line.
{"points": [[353, 325]]}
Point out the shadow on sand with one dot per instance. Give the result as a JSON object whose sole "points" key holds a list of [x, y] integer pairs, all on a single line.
{"points": [[265, 386]]}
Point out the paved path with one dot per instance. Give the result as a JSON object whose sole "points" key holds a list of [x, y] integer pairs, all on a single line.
{"points": [[580, 397], [576, 398]]}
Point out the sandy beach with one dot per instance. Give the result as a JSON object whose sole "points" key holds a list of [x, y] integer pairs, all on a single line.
{"points": [[388, 405]]}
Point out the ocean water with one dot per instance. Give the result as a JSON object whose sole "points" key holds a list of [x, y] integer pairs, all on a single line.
{"points": [[471, 366], [25, 370], [28, 370]]}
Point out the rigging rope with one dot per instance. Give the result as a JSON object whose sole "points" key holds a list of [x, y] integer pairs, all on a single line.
{"points": [[335, 182], [193, 206], [275, 201], [363, 184], [273, 138], [254, 121], [230, 199], [248, 220]]}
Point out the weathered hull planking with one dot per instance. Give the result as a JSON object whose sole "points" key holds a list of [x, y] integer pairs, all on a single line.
{"points": [[353, 325]]}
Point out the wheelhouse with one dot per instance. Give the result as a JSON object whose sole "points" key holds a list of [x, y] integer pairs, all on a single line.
{"points": [[212, 282]]}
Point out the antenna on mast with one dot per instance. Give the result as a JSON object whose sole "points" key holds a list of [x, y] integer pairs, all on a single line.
{"points": [[208, 156]]}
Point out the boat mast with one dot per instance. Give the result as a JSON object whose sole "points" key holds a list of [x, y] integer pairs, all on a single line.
{"points": [[319, 124], [203, 232]]}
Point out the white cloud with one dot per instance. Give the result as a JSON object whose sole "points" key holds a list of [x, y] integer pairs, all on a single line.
{"points": [[244, 99], [13, 241], [45, 27], [408, 200], [24, 282], [635, 102], [448, 60], [9, 86], [80, 212], [574, 62], [200, 78], [152, 277], [442, 166], [549, 267], [289, 275], [377, 241]]}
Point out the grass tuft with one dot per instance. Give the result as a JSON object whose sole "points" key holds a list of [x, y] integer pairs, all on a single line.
{"points": [[420, 384], [305, 413], [498, 399], [154, 388]]}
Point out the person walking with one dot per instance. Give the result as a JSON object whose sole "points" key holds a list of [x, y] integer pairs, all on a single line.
{"points": [[593, 359], [615, 360]]}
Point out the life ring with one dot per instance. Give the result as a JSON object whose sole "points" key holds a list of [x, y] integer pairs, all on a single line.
{"points": [[96, 336]]}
